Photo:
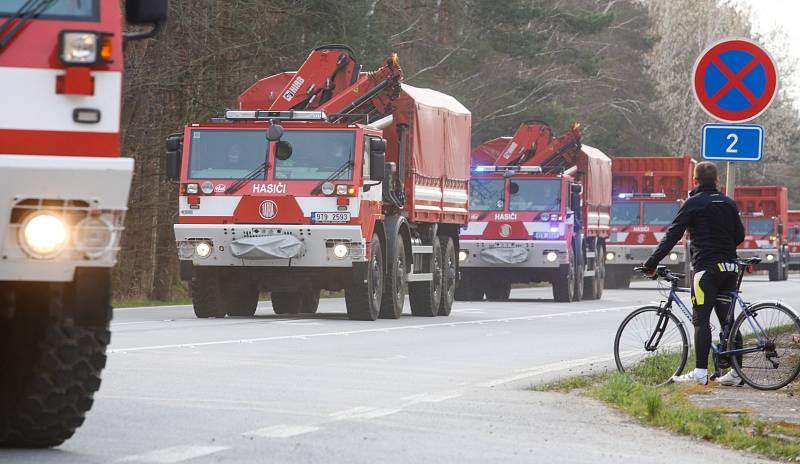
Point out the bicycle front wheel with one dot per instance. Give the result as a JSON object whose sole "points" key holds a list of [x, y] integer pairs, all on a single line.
{"points": [[651, 346], [773, 334]]}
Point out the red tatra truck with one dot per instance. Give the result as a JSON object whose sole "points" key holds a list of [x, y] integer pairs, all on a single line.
{"points": [[327, 178], [63, 191], [793, 238], [539, 212], [765, 214], [647, 192]]}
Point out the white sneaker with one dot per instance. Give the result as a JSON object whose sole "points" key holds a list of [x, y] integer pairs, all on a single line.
{"points": [[691, 377], [731, 379]]}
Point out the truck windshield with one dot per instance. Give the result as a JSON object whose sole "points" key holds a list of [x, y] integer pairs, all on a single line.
{"points": [[759, 226], [625, 213], [660, 213], [225, 154], [487, 195], [535, 195], [316, 155], [78, 10]]}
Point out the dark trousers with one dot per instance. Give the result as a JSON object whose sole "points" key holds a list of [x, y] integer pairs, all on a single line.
{"points": [[708, 283]]}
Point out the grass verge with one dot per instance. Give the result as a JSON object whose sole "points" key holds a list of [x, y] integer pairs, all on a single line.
{"points": [[669, 408]]}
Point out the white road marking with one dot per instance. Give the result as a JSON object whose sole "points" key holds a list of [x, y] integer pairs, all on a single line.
{"points": [[283, 431], [545, 369], [298, 322], [373, 330], [174, 454], [431, 397]]}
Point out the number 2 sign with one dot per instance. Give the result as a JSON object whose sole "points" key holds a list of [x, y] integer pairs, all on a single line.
{"points": [[733, 142]]}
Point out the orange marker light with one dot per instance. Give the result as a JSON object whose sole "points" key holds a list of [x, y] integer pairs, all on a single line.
{"points": [[105, 49]]}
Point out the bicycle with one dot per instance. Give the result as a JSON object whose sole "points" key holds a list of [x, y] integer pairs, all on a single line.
{"points": [[651, 344]]}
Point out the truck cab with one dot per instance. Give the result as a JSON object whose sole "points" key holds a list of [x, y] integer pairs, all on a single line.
{"points": [[793, 239], [765, 215]]}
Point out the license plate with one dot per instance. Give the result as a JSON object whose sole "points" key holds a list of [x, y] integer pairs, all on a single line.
{"points": [[330, 217]]}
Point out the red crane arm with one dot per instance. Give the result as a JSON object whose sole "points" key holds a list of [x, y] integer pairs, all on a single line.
{"points": [[534, 145]]}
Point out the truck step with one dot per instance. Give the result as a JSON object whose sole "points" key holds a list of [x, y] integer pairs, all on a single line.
{"points": [[421, 249], [589, 273], [590, 254], [420, 277]]}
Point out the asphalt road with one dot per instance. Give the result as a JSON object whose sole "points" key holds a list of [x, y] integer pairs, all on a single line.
{"points": [[324, 389]]}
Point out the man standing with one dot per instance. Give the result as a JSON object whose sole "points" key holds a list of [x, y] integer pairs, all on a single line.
{"points": [[715, 230]]}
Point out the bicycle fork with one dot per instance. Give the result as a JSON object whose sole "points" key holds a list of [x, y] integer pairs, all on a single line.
{"points": [[661, 327]]}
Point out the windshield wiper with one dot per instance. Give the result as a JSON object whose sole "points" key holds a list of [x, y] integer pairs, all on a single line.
{"points": [[29, 10], [252, 175], [334, 175]]}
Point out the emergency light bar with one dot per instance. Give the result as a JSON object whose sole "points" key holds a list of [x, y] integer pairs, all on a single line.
{"points": [[290, 115], [511, 169], [627, 196]]}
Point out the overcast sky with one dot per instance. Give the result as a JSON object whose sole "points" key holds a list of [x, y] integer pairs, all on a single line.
{"points": [[770, 15]]}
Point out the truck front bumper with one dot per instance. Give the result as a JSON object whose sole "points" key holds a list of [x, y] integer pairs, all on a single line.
{"points": [[635, 255], [512, 253], [267, 245], [87, 195]]}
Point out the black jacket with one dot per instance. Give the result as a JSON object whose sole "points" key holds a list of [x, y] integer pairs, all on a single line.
{"points": [[715, 229]]}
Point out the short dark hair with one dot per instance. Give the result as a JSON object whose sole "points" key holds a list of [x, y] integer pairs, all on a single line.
{"points": [[706, 173]]}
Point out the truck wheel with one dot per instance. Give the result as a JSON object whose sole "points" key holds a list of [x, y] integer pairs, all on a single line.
{"points": [[448, 277], [394, 296], [51, 365], [578, 292], [286, 302], [593, 286], [207, 293], [498, 291], [363, 296], [564, 283], [476, 293], [240, 297], [774, 272], [463, 292], [425, 297], [310, 301]]}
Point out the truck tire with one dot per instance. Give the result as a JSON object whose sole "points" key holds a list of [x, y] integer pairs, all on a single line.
{"points": [[51, 364], [578, 292], [207, 293], [425, 297], [774, 272], [286, 302], [449, 270], [564, 282], [240, 297], [498, 291], [394, 290], [363, 296], [593, 286], [310, 301]]}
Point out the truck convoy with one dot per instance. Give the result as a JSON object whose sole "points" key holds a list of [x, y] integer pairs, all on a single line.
{"points": [[765, 213], [325, 178], [647, 193], [539, 212], [64, 193], [793, 239]]}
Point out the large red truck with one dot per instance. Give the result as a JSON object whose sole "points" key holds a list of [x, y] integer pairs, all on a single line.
{"points": [[539, 212], [765, 214], [63, 196], [793, 239], [647, 192], [327, 178]]}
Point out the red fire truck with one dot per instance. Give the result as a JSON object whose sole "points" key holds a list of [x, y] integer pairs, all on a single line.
{"points": [[793, 238], [647, 193], [539, 212], [327, 178], [64, 192], [765, 214]]}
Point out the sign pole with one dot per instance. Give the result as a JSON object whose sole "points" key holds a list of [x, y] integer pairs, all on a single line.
{"points": [[730, 179]]}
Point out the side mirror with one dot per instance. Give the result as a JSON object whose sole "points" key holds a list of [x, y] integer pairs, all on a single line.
{"points": [[142, 12], [377, 145], [283, 150], [275, 131], [576, 188], [172, 160], [780, 230], [513, 188], [377, 165]]}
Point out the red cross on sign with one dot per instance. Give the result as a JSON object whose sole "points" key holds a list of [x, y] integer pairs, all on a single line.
{"points": [[735, 80]]}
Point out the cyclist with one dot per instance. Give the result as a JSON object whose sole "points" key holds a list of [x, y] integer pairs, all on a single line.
{"points": [[715, 230]]}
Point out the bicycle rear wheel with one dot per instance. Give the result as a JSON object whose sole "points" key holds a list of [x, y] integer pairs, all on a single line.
{"points": [[666, 357], [778, 362]]}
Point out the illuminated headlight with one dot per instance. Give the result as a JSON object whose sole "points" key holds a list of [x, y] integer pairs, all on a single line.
{"points": [[340, 250], [610, 256], [327, 188], [673, 256], [43, 235], [551, 256], [93, 236], [192, 188], [207, 188], [462, 255], [770, 257], [203, 249], [186, 250], [84, 47]]}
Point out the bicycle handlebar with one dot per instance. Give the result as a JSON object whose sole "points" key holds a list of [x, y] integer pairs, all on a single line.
{"points": [[663, 272]]}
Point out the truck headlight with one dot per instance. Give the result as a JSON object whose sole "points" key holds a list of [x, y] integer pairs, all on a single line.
{"points": [[462, 255], [610, 256], [551, 256], [340, 250], [93, 236], [673, 256], [84, 47], [186, 250], [43, 235], [770, 257], [203, 249]]}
